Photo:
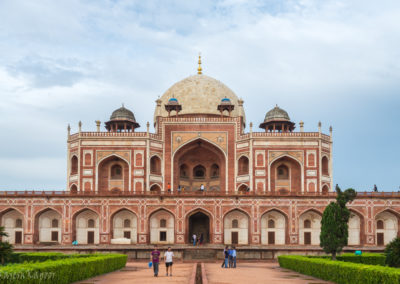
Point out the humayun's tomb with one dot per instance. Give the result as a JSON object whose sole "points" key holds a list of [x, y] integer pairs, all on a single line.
{"points": [[264, 191]]}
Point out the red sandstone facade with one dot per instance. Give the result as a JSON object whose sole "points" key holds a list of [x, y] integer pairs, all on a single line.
{"points": [[260, 188]]}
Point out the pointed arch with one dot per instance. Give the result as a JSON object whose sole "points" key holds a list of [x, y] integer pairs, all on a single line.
{"points": [[128, 173], [356, 235], [118, 230], [43, 232], [81, 234], [9, 219], [219, 157], [241, 234], [272, 179], [279, 235], [161, 235], [207, 219]]}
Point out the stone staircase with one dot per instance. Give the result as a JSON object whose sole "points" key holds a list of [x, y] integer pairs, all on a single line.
{"points": [[200, 254]]}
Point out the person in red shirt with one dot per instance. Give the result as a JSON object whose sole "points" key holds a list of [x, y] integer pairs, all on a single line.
{"points": [[155, 259], [169, 187]]}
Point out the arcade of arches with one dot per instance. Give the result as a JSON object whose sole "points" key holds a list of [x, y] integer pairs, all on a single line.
{"points": [[199, 163], [48, 227]]}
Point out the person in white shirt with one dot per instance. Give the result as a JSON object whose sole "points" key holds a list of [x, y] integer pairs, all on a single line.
{"points": [[168, 260], [194, 237]]}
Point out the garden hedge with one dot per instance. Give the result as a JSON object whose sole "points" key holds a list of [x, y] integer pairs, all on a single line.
{"points": [[340, 271], [20, 257], [62, 271], [365, 258]]}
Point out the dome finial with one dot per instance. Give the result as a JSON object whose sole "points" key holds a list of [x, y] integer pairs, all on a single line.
{"points": [[199, 69]]}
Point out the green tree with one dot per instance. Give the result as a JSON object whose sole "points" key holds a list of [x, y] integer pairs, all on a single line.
{"points": [[392, 252], [5, 247], [334, 223]]}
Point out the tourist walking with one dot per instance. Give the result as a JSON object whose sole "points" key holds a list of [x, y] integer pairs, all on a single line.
{"points": [[179, 188], [168, 260], [202, 187], [155, 259], [201, 239], [226, 256], [233, 257], [194, 238], [169, 187]]}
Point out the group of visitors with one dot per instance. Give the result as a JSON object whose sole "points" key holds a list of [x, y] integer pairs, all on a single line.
{"points": [[155, 260], [229, 257], [198, 239]]}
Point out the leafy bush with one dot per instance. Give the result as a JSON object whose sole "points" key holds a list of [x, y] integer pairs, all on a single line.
{"points": [[340, 271], [392, 252], [21, 257], [62, 271], [365, 258]]}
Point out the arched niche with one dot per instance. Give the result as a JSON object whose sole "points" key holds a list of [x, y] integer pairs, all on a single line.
{"points": [[236, 228], [273, 228], [162, 234]]}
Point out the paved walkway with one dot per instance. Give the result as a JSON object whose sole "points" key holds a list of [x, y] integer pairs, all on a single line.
{"points": [[139, 272], [256, 273], [247, 272]]}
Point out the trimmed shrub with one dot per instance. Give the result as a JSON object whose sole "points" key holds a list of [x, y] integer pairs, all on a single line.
{"points": [[21, 257], [365, 258], [392, 252], [340, 271], [62, 271]]}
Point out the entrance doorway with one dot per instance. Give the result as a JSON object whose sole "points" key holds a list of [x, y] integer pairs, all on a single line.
{"points": [[307, 238], [199, 223], [271, 238], [235, 238], [18, 237], [90, 237], [54, 236], [380, 239]]}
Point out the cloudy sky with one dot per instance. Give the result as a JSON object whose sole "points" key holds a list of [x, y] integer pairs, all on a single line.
{"points": [[332, 61]]}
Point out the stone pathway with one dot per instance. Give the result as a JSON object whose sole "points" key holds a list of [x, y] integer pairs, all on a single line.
{"points": [[139, 272], [256, 273], [246, 272]]}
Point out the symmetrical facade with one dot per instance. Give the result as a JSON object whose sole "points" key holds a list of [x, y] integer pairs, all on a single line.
{"points": [[199, 173]]}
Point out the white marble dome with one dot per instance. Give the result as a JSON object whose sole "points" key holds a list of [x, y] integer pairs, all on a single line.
{"points": [[199, 94]]}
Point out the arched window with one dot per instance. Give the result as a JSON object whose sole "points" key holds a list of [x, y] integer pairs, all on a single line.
{"points": [[54, 223], [163, 223], [116, 172], [235, 223], [325, 166], [271, 224], [74, 188], [282, 172], [184, 171], [307, 224], [243, 166], [155, 165], [199, 172], [127, 223], [18, 223], [90, 223], [214, 171], [380, 225], [74, 165]]}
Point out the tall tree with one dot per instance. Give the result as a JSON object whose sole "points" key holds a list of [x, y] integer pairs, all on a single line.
{"points": [[334, 223], [5, 247]]}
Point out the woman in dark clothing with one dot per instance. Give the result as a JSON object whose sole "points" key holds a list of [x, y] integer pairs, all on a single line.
{"points": [[201, 239]]}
